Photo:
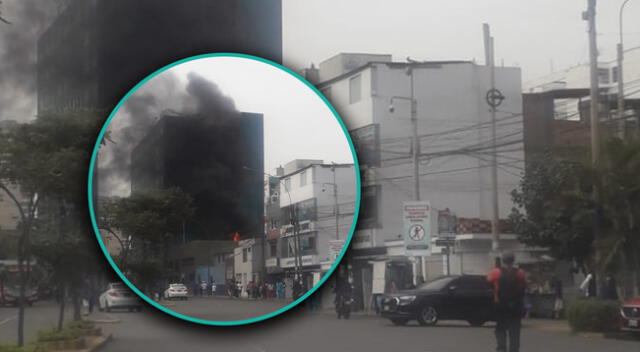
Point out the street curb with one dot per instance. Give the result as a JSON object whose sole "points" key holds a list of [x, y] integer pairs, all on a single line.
{"points": [[100, 343]]}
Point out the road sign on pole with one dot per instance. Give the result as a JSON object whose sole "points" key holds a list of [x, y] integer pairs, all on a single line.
{"points": [[416, 217]]}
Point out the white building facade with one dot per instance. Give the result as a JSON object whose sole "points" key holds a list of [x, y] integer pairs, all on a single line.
{"points": [[455, 139], [324, 198]]}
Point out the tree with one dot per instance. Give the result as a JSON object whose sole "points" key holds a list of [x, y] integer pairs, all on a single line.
{"points": [[48, 160], [621, 205], [150, 219], [555, 208]]}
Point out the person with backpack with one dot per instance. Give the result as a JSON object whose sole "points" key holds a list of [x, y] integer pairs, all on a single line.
{"points": [[509, 285]]}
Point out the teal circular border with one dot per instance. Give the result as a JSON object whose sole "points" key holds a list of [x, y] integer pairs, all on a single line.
{"points": [[233, 322]]}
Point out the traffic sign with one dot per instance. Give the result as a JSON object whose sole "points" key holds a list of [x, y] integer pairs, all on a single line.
{"points": [[417, 224]]}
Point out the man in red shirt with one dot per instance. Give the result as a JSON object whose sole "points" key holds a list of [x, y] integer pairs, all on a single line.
{"points": [[509, 285]]}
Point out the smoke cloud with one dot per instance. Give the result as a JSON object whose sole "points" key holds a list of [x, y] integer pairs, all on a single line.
{"points": [[18, 56], [165, 94]]}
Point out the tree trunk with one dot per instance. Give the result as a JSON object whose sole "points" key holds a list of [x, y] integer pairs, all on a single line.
{"points": [[75, 298], [62, 296]]}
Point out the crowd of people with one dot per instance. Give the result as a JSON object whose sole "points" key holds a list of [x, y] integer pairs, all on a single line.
{"points": [[256, 290]]}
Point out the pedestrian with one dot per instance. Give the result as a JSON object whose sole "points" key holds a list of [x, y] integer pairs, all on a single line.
{"points": [[203, 288], [393, 288], [558, 305], [509, 285], [214, 288]]}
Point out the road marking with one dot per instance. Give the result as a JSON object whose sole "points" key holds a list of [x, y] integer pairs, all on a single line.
{"points": [[8, 320]]}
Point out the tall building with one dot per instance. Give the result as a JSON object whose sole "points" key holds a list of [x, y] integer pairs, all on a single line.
{"points": [[454, 129], [373, 95], [96, 50], [323, 196], [217, 160]]}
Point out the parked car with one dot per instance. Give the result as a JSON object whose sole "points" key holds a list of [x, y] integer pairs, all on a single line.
{"points": [[630, 313], [461, 297], [178, 291], [118, 296], [11, 296]]}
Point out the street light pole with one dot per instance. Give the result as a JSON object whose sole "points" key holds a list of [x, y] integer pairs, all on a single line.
{"points": [[293, 213], [620, 75]]}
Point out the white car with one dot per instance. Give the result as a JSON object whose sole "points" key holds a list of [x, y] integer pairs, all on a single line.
{"points": [[178, 291], [118, 296]]}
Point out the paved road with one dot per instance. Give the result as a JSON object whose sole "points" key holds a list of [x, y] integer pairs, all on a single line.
{"points": [[41, 315], [301, 330], [224, 308]]}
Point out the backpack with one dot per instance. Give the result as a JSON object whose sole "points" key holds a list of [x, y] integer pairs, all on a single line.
{"points": [[510, 289]]}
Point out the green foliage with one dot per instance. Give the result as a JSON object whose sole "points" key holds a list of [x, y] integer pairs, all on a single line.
{"points": [[52, 334], [73, 330], [621, 203], [26, 348], [594, 315], [554, 208], [149, 216]]}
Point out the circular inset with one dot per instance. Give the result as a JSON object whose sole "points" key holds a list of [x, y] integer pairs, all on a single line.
{"points": [[223, 189]]}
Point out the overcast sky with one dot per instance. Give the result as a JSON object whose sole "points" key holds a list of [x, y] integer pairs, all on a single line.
{"points": [[535, 35], [297, 123], [529, 34]]}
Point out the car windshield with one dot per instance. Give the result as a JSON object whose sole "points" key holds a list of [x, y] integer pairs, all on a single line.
{"points": [[437, 284]]}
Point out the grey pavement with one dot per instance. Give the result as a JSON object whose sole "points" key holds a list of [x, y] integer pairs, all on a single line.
{"points": [[224, 308], [42, 315], [302, 330]]}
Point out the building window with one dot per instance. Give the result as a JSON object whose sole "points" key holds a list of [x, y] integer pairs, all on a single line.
{"points": [[245, 255], [273, 249], [369, 204], [614, 74], [303, 178], [603, 75], [355, 89], [307, 245]]}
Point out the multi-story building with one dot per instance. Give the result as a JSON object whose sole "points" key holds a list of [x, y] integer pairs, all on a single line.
{"points": [[373, 96], [221, 167], [200, 261], [96, 50], [248, 262], [9, 213], [569, 89], [323, 198]]}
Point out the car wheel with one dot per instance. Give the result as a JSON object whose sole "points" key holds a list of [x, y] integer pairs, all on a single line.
{"points": [[428, 316], [107, 308], [399, 321], [476, 322]]}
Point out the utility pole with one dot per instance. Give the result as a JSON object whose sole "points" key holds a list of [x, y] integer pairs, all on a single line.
{"points": [[416, 142], [621, 77], [489, 61], [590, 16], [335, 201]]}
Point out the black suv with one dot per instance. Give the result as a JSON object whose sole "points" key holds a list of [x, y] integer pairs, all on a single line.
{"points": [[463, 297]]}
